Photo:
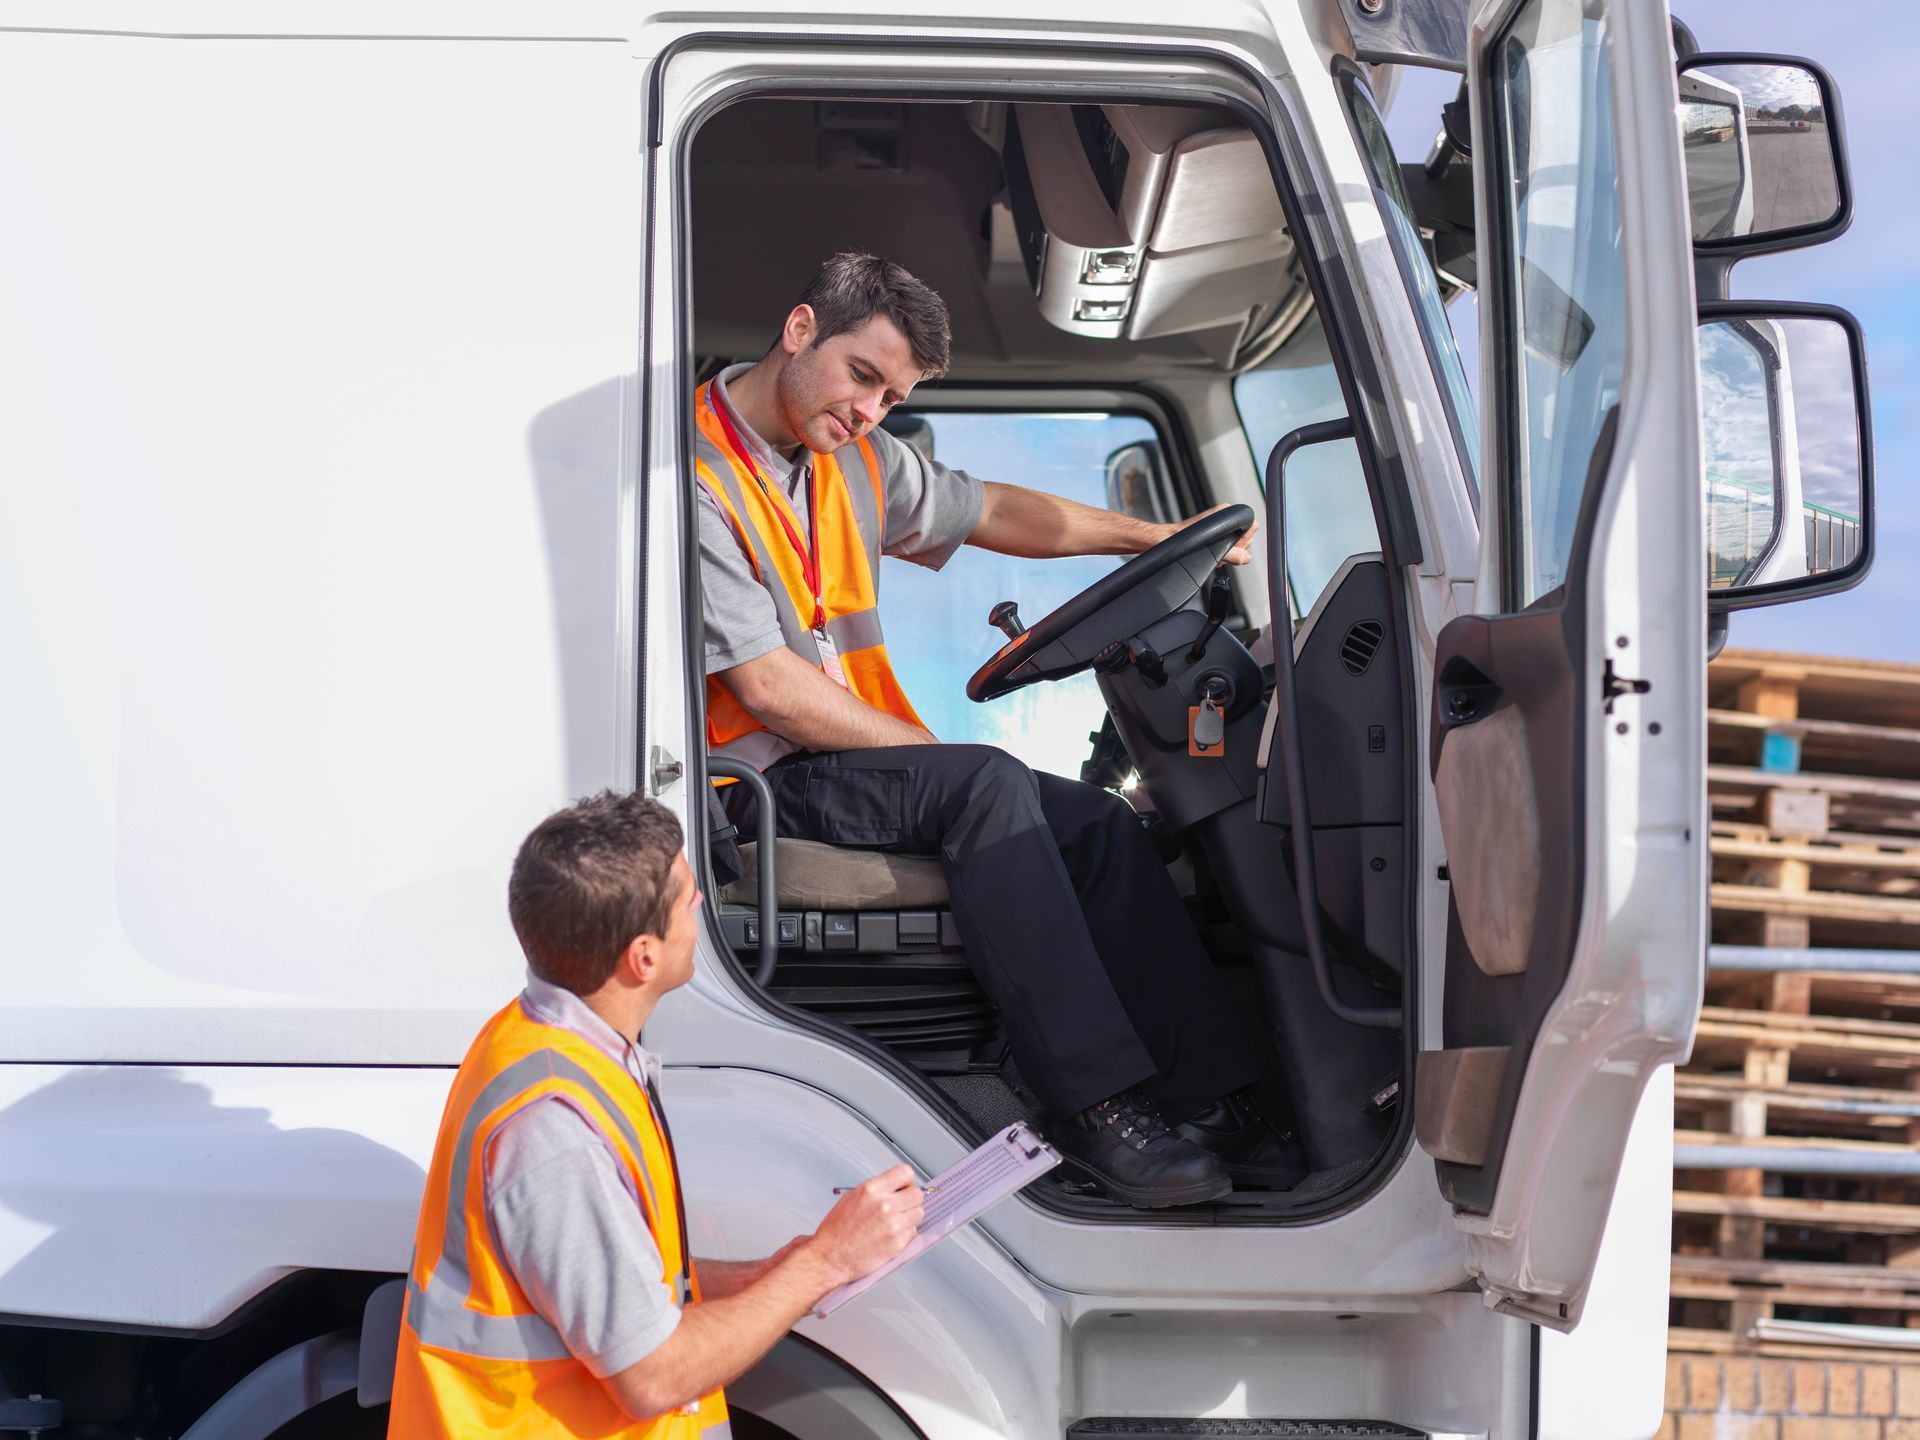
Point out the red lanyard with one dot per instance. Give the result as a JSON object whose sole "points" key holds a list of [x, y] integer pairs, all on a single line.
{"points": [[809, 553]]}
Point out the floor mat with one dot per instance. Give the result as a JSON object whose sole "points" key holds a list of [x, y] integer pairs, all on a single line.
{"points": [[988, 1100], [993, 1104]]}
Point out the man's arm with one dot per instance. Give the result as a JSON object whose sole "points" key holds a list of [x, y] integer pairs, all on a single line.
{"points": [[716, 1341], [796, 701], [721, 1278], [1037, 526]]}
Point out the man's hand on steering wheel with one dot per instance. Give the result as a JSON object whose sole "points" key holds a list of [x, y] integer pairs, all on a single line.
{"points": [[1242, 551], [1147, 587]]}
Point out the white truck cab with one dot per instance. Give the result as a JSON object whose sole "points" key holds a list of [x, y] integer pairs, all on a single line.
{"points": [[348, 531]]}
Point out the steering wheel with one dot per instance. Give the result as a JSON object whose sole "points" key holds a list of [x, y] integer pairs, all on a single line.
{"points": [[1117, 606]]}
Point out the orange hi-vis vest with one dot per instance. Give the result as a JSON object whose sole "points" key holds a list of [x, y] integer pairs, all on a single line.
{"points": [[475, 1358], [823, 582]]}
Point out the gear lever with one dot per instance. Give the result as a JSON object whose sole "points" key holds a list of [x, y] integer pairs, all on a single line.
{"points": [[1007, 616]]}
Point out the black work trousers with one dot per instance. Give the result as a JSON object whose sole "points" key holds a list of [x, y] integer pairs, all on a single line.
{"points": [[1071, 923]]}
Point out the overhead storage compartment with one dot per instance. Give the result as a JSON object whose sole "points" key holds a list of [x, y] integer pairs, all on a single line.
{"points": [[1142, 221]]}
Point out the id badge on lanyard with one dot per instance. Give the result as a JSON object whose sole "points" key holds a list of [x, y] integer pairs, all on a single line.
{"points": [[829, 652], [830, 658], [808, 550]]}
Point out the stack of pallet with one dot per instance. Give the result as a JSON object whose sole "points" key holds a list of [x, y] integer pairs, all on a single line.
{"points": [[1797, 1146]]}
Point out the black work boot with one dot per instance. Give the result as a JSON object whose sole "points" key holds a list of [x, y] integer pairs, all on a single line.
{"points": [[1256, 1156], [1136, 1156]]}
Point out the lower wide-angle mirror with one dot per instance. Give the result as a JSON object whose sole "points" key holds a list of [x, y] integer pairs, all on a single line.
{"points": [[1787, 452], [1763, 152]]}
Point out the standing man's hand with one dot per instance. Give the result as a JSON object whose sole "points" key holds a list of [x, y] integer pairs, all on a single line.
{"points": [[717, 1339], [870, 1225], [1242, 551]]}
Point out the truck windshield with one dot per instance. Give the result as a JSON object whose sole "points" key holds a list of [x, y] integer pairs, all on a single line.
{"points": [[1104, 459], [1376, 152]]}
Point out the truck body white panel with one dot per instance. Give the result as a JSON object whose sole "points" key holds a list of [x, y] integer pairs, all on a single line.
{"points": [[330, 584]]}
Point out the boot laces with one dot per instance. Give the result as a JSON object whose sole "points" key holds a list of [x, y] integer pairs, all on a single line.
{"points": [[1132, 1117]]}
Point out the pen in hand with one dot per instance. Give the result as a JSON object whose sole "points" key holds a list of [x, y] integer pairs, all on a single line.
{"points": [[845, 1189]]}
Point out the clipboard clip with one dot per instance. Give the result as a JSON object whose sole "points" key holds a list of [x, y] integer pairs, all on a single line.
{"points": [[1016, 1137]]}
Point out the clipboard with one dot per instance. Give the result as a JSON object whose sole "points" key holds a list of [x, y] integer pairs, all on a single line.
{"points": [[1007, 1162]]}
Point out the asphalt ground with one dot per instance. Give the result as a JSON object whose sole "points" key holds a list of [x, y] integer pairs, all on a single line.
{"points": [[1792, 176]]}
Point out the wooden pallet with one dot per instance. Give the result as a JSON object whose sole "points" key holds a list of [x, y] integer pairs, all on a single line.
{"points": [[1875, 693], [1872, 1288], [1706, 1102], [1842, 747], [1816, 1048], [1814, 785], [1826, 800], [1843, 994], [1864, 866]]}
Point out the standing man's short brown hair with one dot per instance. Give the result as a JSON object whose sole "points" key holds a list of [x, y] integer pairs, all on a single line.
{"points": [[590, 880], [852, 288]]}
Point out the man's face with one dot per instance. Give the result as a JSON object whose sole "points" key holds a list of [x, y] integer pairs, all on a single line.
{"points": [[676, 947], [832, 393]]}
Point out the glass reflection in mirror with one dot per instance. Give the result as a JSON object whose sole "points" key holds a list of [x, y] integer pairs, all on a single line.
{"points": [[1759, 151], [1781, 444]]}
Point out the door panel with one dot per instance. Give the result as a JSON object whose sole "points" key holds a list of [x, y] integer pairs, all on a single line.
{"points": [[1567, 734]]}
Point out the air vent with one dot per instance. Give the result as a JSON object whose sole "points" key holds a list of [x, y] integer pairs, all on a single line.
{"points": [[1360, 646]]}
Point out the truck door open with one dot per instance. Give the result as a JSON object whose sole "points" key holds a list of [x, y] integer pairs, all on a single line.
{"points": [[1566, 745]]}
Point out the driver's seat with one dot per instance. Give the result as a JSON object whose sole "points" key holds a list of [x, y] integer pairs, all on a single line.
{"points": [[867, 939], [814, 876]]}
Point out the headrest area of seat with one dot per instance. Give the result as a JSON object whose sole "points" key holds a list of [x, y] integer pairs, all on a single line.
{"points": [[813, 876]]}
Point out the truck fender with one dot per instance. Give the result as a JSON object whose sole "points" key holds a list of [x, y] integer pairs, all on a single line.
{"points": [[814, 1395], [963, 1342]]}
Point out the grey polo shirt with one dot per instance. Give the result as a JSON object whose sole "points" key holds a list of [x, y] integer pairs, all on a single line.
{"points": [[565, 1216], [931, 510]]}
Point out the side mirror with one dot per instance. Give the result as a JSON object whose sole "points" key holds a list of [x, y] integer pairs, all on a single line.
{"points": [[1787, 450], [1137, 482], [913, 429], [1766, 163]]}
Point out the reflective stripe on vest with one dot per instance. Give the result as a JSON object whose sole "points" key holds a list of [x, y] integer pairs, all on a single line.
{"points": [[848, 529], [474, 1356]]}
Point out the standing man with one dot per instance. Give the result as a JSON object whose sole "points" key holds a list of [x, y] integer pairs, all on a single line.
{"points": [[1112, 1008], [551, 1293]]}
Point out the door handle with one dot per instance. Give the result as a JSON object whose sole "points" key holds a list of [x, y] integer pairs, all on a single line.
{"points": [[1463, 694]]}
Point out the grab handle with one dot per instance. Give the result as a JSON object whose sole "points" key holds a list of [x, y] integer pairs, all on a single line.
{"points": [[763, 859]]}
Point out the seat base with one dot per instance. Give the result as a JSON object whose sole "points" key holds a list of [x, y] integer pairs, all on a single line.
{"points": [[813, 876]]}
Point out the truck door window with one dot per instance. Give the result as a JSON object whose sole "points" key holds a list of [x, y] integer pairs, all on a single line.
{"points": [[936, 624], [1329, 513], [1376, 151], [1561, 284]]}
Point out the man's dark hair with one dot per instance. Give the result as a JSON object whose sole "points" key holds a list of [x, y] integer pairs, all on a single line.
{"points": [[588, 881], [852, 288]]}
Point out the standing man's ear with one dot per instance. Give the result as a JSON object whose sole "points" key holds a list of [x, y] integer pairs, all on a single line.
{"points": [[640, 959], [799, 330]]}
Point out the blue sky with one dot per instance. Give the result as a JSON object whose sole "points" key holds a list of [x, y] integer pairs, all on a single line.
{"points": [[1872, 49]]}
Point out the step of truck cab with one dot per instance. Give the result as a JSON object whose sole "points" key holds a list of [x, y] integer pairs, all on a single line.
{"points": [[1137, 1427]]}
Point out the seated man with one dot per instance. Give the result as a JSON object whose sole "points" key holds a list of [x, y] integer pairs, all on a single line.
{"points": [[1115, 1016], [551, 1292]]}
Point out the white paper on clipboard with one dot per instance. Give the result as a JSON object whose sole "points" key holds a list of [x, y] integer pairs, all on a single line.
{"points": [[1015, 1157]]}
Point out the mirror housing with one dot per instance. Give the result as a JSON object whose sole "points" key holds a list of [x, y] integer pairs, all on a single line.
{"points": [[1136, 481], [1788, 464], [1765, 152]]}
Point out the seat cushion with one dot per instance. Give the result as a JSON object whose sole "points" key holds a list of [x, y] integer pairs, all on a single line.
{"points": [[832, 877]]}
